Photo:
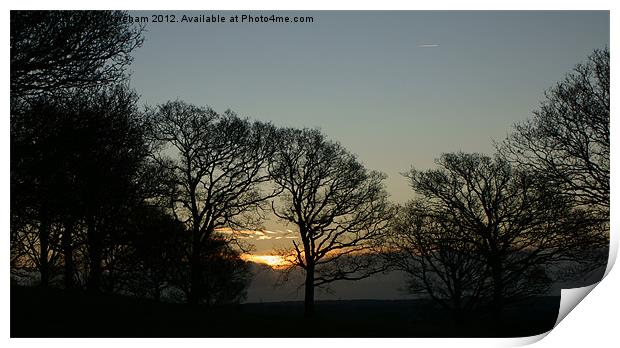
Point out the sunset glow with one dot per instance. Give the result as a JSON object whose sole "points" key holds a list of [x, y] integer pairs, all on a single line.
{"points": [[273, 261]]}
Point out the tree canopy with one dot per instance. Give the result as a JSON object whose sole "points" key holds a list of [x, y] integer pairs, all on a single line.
{"points": [[218, 167], [567, 140], [54, 51], [513, 220], [339, 207]]}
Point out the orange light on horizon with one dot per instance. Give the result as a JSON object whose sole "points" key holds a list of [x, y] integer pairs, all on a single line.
{"points": [[273, 261]]}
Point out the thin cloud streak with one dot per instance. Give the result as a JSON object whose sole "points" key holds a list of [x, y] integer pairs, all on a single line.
{"points": [[261, 234]]}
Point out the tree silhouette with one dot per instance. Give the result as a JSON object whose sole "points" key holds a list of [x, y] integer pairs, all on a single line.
{"points": [[567, 140], [34, 185], [219, 165], [516, 221], [55, 51], [75, 163], [224, 274], [339, 208], [429, 247], [54, 54]]}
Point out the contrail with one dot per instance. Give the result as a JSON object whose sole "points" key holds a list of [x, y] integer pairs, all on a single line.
{"points": [[428, 45]]}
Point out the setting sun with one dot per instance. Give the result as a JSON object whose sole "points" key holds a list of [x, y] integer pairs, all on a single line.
{"points": [[273, 261]]}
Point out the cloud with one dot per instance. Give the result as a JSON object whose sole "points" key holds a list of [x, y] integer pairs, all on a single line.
{"points": [[228, 230], [245, 234], [224, 230], [262, 234]]}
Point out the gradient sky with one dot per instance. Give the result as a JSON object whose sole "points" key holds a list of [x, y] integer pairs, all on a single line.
{"points": [[365, 80]]}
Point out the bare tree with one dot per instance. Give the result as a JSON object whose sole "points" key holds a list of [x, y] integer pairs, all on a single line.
{"points": [[567, 140], [53, 54], [219, 166], [429, 247], [339, 208], [75, 160], [517, 221], [54, 51]]}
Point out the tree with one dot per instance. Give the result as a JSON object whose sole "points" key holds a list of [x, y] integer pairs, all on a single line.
{"points": [[219, 162], [145, 254], [518, 223], [339, 208], [55, 51], [567, 140], [75, 163], [111, 135], [54, 54], [35, 183], [429, 247], [225, 275], [158, 255]]}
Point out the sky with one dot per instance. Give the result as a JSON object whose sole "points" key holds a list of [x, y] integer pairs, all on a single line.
{"points": [[396, 88]]}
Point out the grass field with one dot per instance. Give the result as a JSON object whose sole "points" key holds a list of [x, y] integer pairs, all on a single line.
{"points": [[55, 313]]}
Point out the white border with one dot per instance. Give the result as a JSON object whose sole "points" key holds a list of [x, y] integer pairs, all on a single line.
{"points": [[594, 322]]}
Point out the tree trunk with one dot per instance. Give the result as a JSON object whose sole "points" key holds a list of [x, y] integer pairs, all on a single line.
{"points": [[194, 289], [458, 306], [67, 250], [309, 292], [44, 238], [95, 253], [157, 291], [498, 289]]}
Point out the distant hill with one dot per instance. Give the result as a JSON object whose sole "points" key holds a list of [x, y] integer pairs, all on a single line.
{"points": [[266, 286], [391, 286]]}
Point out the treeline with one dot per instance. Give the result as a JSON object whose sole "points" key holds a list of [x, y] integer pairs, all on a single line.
{"points": [[111, 197], [488, 230], [90, 205]]}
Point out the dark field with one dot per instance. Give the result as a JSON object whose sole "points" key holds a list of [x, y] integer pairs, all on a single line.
{"points": [[55, 313]]}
